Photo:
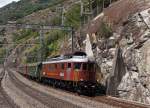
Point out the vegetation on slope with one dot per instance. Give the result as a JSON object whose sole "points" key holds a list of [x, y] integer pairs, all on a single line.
{"points": [[17, 10], [73, 17], [2, 54], [23, 35], [50, 47], [105, 31]]}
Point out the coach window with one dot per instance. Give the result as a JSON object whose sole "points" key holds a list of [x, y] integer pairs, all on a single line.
{"points": [[77, 65], [69, 65]]}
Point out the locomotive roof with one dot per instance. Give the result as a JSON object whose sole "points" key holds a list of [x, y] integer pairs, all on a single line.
{"points": [[77, 56], [72, 59]]}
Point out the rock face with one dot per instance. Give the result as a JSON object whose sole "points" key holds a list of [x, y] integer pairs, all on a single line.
{"points": [[131, 27], [88, 48], [135, 84]]}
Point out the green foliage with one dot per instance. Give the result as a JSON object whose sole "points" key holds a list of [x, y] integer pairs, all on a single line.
{"points": [[73, 17], [52, 40], [54, 35], [53, 48], [105, 31], [2, 55], [2, 52], [23, 35], [56, 20], [31, 54], [50, 47]]}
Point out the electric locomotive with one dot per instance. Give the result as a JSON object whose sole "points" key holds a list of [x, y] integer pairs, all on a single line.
{"points": [[73, 72]]}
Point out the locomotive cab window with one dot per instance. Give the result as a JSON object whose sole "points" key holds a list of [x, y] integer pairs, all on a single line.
{"points": [[77, 65], [69, 65]]}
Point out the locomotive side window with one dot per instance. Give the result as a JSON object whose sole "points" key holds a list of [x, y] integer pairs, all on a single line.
{"points": [[51, 67], [55, 66], [91, 67], [69, 65], [62, 66], [84, 66], [77, 65]]}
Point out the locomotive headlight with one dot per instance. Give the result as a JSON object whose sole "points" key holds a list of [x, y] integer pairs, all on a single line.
{"points": [[85, 86], [81, 79], [44, 73], [93, 86]]}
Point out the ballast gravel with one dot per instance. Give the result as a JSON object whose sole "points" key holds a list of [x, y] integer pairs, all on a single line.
{"points": [[19, 97]]}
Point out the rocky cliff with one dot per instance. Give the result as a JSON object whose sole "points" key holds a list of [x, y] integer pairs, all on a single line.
{"points": [[128, 25]]}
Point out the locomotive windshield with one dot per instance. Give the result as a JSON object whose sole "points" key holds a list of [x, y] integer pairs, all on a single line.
{"points": [[77, 65], [84, 66], [69, 65]]}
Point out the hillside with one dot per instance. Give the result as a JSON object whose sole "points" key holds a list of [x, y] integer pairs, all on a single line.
{"points": [[17, 10]]}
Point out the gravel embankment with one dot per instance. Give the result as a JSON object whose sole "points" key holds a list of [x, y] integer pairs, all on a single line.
{"points": [[5, 100], [59, 98], [45, 99], [20, 98]]}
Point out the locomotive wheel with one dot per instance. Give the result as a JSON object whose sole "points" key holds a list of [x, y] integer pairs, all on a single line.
{"points": [[79, 92]]}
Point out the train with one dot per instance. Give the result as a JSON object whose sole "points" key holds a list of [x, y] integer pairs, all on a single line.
{"points": [[72, 72]]}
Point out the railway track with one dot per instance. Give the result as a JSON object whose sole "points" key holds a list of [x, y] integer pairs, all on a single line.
{"points": [[113, 102], [45, 99], [119, 102], [5, 101], [116, 102]]}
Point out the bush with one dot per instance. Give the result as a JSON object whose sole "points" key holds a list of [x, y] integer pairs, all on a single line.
{"points": [[105, 31], [56, 20], [73, 17], [32, 54], [52, 41], [24, 34]]}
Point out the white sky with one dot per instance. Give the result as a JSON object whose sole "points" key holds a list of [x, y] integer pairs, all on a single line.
{"points": [[5, 2]]}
